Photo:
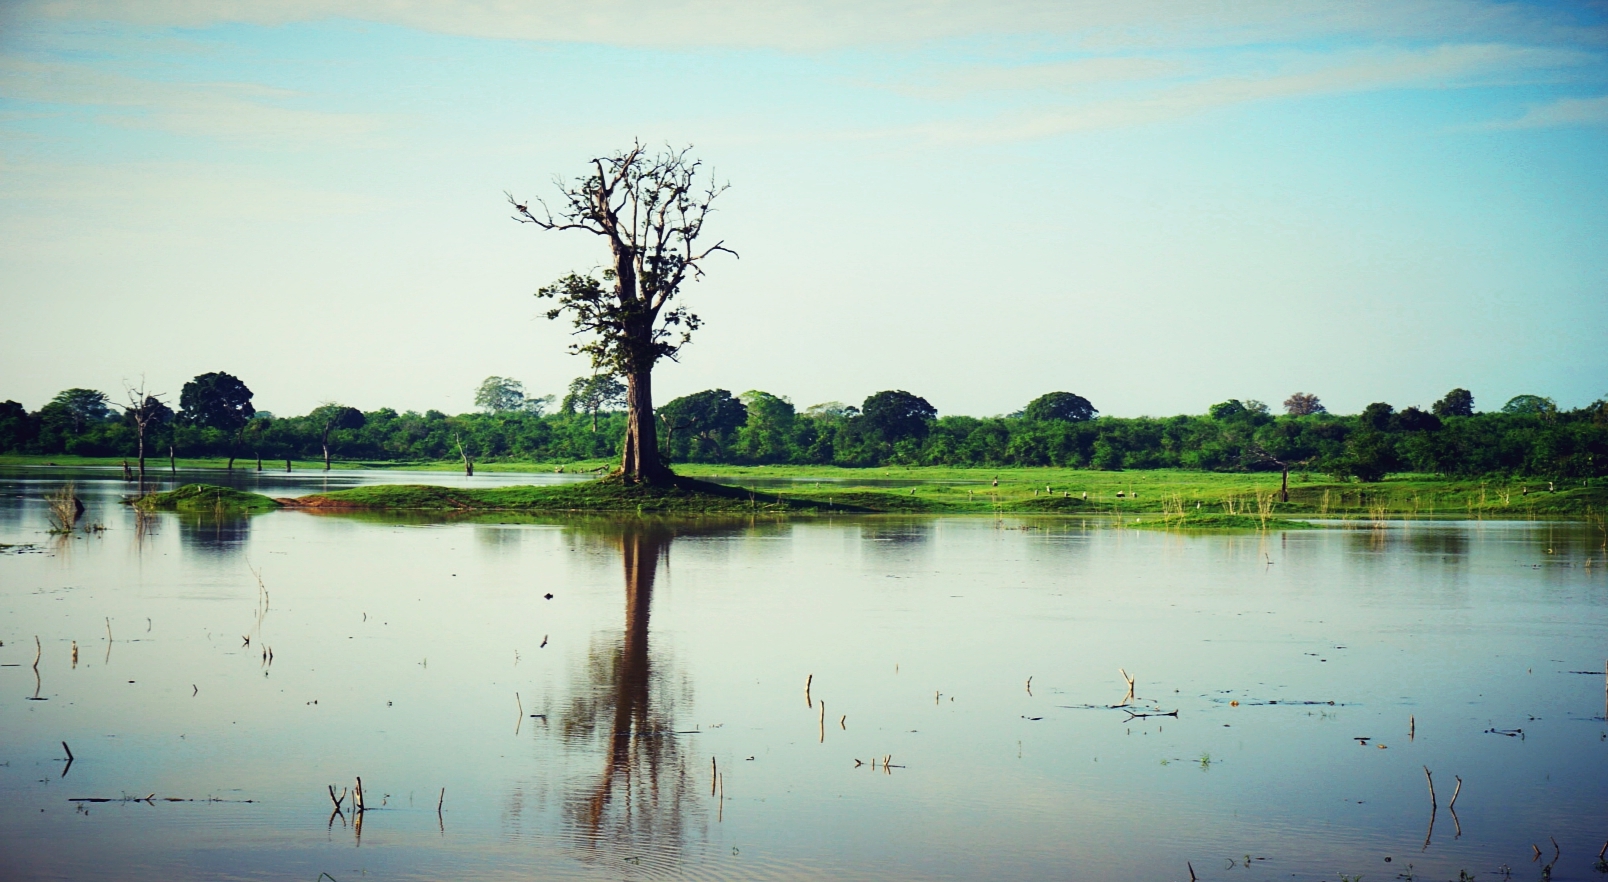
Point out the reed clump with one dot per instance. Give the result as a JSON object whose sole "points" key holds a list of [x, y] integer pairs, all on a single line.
{"points": [[65, 508]]}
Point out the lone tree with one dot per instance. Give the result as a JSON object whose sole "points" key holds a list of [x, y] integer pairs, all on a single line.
{"points": [[651, 212], [218, 401], [896, 415], [1062, 407], [331, 417], [144, 411], [1302, 404], [500, 395], [1458, 402]]}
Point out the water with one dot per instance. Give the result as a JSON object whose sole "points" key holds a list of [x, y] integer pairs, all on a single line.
{"points": [[399, 646]]}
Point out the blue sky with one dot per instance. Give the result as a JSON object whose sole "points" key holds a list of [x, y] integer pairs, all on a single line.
{"points": [[1156, 206]]}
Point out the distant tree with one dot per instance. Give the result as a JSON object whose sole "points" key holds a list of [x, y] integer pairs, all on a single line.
{"points": [[1060, 407], [1302, 404], [651, 211], [1533, 405], [500, 395], [766, 436], [896, 415], [82, 407], [1414, 420], [1377, 416], [1233, 408], [17, 429], [709, 416], [1368, 456], [831, 411], [590, 395], [331, 417], [1106, 456], [217, 401], [145, 412], [1458, 402]]}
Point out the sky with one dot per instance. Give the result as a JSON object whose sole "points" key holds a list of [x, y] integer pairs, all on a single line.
{"points": [[1157, 206]]}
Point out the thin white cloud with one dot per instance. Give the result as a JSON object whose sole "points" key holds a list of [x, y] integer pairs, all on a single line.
{"points": [[1441, 67], [828, 24], [1563, 112], [233, 111]]}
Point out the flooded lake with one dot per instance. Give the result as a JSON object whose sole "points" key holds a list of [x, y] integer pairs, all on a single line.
{"points": [[850, 698]]}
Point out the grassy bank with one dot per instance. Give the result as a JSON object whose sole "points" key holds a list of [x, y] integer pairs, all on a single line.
{"points": [[962, 490], [685, 496], [1179, 491], [159, 465], [205, 498]]}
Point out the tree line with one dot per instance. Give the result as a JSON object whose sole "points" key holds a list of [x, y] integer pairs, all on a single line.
{"points": [[1529, 435]]}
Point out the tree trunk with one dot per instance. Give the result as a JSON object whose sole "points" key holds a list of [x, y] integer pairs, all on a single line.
{"points": [[1284, 486], [287, 465], [142, 459], [173, 464], [326, 456], [640, 462]]}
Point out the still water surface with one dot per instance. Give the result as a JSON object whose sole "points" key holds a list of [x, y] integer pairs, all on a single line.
{"points": [[580, 737]]}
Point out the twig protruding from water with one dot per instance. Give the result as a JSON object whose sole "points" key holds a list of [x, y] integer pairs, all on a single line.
{"points": [[807, 681]]}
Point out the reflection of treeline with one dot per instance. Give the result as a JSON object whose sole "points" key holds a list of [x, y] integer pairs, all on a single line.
{"points": [[1529, 436]]}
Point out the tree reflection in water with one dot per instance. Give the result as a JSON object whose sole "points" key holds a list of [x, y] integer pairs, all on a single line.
{"points": [[626, 704]]}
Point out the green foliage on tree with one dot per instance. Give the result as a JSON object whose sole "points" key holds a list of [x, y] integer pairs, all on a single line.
{"points": [[216, 401], [1060, 407], [593, 395], [1530, 405], [896, 415], [1458, 402], [702, 427], [762, 427]]}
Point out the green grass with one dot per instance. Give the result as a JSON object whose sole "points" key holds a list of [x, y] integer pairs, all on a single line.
{"points": [[609, 495], [1220, 523], [1019, 490], [1157, 490], [205, 498]]}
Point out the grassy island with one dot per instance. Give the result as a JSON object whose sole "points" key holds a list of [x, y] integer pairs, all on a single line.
{"points": [[205, 497]]}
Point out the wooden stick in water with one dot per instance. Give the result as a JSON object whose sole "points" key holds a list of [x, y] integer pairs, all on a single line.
{"points": [[1431, 780], [1412, 727], [823, 722], [807, 701], [714, 776], [69, 751], [440, 801], [37, 650], [1455, 790]]}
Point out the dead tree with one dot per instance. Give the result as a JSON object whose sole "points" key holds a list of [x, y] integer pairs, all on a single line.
{"points": [[145, 410], [651, 212]]}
